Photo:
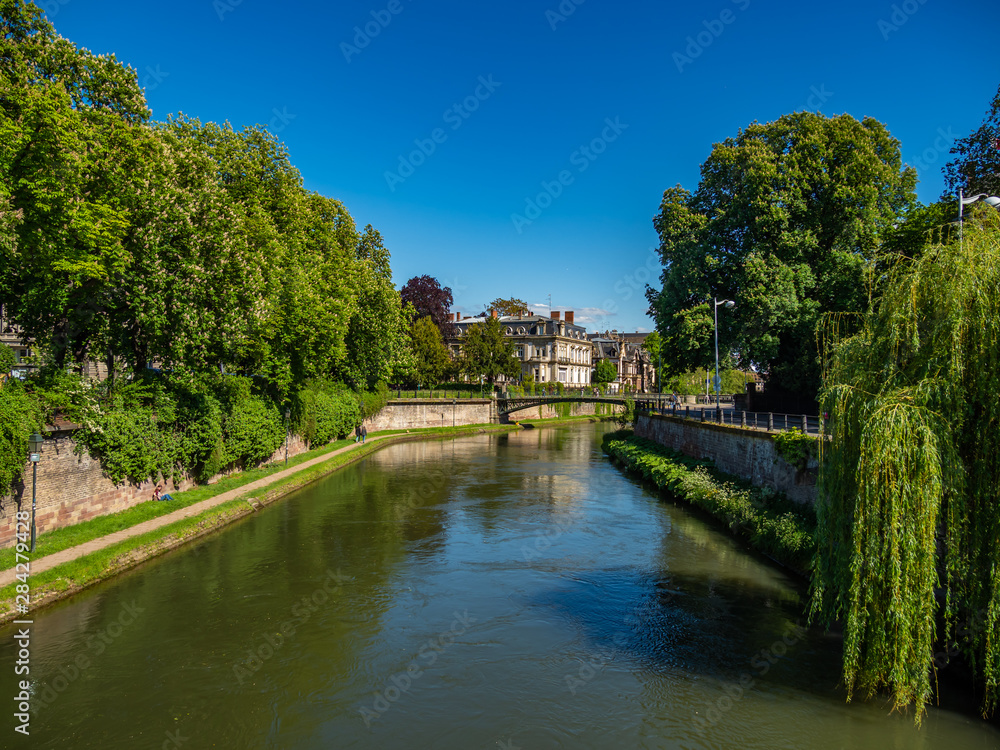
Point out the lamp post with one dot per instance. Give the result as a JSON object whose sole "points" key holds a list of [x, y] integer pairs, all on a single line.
{"points": [[35, 446], [990, 200], [288, 415], [728, 303]]}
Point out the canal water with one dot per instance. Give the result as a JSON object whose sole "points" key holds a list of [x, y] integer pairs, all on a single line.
{"points": [[495, 591]]}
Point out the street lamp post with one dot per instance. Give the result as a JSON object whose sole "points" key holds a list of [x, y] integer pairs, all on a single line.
{"points": [[728, 303], [990, 200], [35, 445]]}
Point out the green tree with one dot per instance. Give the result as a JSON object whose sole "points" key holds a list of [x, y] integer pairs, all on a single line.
{"points": [[487, 353], [976, 164], [605, 372], [512, 306], [785, 218], [372, 250], [908, 518], [431, 358], [69, 125], [652, 344]]}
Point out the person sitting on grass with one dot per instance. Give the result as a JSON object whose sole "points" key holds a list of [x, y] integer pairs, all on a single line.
{"points": [[158, 496]]}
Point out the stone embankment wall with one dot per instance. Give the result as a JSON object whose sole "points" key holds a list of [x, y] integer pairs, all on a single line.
{"points": [[749, 454], [72, 488], [414, 413]]}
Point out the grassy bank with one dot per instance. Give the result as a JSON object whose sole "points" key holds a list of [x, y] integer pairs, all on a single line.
{"points": [[770, 523], [62, 580]]}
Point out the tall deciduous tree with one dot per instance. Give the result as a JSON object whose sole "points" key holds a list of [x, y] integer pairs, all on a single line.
{"points": [[512, 306], [976, 164], [653, 344], [431, 358], [784, 220], [488, 353], [429, 298], [378, 345], [605, 372], [69, 125], [908, 517]]}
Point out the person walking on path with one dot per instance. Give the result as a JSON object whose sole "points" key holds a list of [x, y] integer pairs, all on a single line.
{"points": [[357, 434], [364, 433]]}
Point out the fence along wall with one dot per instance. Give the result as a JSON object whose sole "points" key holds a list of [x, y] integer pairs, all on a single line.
{"points": [[748, 454]]}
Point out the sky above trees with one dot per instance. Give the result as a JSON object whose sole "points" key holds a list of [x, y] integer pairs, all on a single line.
{"points": [[523, 149]]}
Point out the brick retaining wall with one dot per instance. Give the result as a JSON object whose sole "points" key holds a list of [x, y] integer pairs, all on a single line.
{"points": [[749, 454]]}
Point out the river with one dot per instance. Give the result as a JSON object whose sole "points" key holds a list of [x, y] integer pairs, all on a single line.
{"points": [[493, 591]]}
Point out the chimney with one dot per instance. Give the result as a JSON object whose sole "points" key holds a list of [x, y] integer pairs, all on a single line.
{"points": [[555, 315], [493, 313], [458, 316], [569, 317]]}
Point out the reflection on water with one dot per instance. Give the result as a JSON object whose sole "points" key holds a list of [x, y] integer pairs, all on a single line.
{"points": [[482, 592]]}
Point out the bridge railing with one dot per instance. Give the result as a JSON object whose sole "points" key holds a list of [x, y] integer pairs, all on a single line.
{"points": [[754, 420]]}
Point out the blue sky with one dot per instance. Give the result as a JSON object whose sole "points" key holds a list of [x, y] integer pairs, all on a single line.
{"points": [[521, 148]]}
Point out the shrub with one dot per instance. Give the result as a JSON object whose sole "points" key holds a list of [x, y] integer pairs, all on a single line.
{"points": [[127, 441], [325, 411], [796, 447], [253, 431], [18, 417]]}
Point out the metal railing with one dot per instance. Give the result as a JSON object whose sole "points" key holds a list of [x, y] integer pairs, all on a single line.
{"points": [[754, 420], [401, 394]]}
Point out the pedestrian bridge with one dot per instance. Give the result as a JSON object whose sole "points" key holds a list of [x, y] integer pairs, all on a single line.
{"points": [[511, 404]]}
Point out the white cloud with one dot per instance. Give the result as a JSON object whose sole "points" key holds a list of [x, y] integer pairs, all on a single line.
{"points": [[593, 314]]}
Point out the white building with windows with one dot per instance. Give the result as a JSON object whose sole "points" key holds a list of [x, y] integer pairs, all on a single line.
{"points": [[551, 349]]}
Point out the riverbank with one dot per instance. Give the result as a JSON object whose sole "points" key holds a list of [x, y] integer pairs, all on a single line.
{"points": [[83, 555], [769, 523]]}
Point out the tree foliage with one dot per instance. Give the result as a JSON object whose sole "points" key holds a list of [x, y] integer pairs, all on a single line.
{"points": [[188, 247], [512, 306], [908, 483], [18, 418], [784, 220], [488, 353], [432, 360], [605, 372], [653, 344], [186, 244], [976, 164], [430, 299]]}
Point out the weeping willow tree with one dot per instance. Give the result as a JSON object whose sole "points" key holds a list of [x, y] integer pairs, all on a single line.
{"points": [[908, 541]]}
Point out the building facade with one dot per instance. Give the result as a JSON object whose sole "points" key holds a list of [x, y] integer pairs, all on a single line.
{"points": [[551, 349], [636, 370], [10, 336]]}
